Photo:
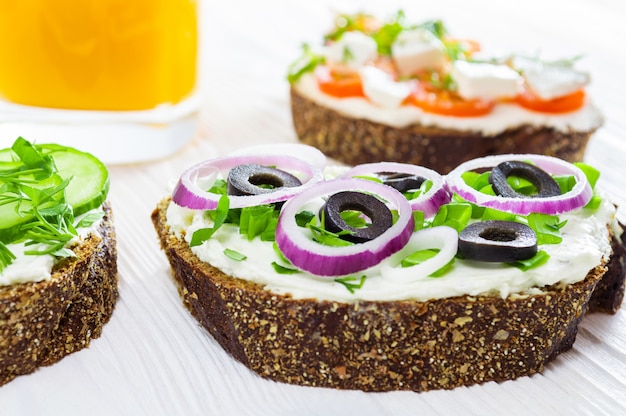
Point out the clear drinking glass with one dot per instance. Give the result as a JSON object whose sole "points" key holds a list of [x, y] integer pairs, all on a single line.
{"points": [[114, 77]]}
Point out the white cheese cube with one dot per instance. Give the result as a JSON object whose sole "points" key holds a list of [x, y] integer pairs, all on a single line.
{"points": [[485, 81], [416, 50], [382, 89], [353, 49], [553, 81]]}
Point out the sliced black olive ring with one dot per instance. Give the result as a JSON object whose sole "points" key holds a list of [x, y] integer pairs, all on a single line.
{"points": [[254, 179], [497, 241], [378, 213], [545, 184], [403, 182]]}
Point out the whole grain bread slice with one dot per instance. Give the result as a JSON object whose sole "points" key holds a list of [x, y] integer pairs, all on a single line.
{"points": [[42, 322], [379, 346], [356, 141]]}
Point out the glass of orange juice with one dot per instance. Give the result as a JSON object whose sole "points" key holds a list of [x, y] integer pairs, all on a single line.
{"points": [[114, 76]]}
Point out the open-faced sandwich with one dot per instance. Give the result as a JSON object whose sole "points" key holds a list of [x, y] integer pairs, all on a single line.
{"points": [[396, 91], [58, 258], [389, 276]]}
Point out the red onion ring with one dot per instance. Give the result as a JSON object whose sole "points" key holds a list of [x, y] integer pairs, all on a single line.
{"points": [[321, 260], [444, 238], [309, 154], [189, 194], [578, 197], [428, 202]]}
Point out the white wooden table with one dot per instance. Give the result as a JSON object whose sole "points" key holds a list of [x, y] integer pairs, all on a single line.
{"points": [[154, 359]]}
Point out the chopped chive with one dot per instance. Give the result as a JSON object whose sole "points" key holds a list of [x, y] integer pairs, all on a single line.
{"points": [[283, 269], [235, 255], [537, 260]]}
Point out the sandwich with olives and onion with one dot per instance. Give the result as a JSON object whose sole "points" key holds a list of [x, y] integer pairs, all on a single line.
{"points": [[394, 90], [58, 258], [390, 276]]}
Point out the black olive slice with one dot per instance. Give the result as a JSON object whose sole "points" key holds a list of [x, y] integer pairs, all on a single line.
{"points": [[497, 241], [545, 184], [403, 182], [254, 179], [378, 213]]}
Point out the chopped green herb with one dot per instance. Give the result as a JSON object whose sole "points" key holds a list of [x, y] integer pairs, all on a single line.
{"points": [[347, 282], [33, 190], [424, 187], [566, 182], [282, 269], [304, 217], [369, 178], [90, 219], [220, 215], [235, 255], [420, 222], [590, 172], [328, 238], [354, 218], [6, 256], [594, 203], [537, 260], [254, 221], [455, 215], [305, 63], [494, 214], [421, 256], [219, 187], [547, 227], [280, 254], [387, 34]]}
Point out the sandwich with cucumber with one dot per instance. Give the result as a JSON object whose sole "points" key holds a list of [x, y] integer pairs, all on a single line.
{"points": [[396, 90], [389, 276], [58, 256]]}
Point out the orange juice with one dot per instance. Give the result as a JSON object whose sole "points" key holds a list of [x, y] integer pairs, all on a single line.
{"points": [[97, 54]]}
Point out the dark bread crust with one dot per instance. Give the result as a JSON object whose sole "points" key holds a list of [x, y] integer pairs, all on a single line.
{"points": [[356, 141], [40, 323], [377, 346]]}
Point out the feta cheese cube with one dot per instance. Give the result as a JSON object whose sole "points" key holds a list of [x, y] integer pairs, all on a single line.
{"points": [[416, 50], [553, 81], [485, 80], [382, 89], [353, 49]]}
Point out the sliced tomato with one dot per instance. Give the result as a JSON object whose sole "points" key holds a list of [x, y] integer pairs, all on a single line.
{"points": [[565, 104], [447, 103], [340, 83]]}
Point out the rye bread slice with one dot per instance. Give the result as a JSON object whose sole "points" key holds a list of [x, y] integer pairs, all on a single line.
{"points": [[42, 322], [378, 346], [356, 141]]}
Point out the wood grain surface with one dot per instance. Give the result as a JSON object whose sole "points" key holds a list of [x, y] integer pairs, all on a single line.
{"points": [[154, 359]]}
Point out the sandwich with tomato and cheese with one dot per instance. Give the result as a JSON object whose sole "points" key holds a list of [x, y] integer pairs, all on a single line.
{"points": [[396, 91]]}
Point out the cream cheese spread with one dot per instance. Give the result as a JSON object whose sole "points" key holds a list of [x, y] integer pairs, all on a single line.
{"points": [[38, 268], [504, 116], [586, 243]]}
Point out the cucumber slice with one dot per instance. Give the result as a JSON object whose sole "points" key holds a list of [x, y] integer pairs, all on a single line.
{"points": [[88, 187], [89, 178]]}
